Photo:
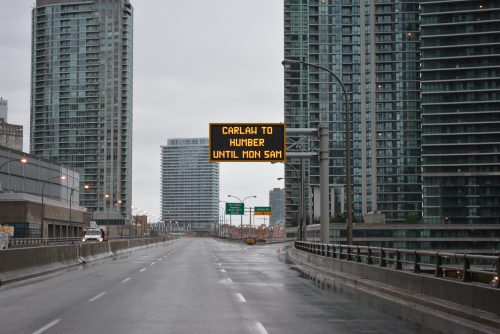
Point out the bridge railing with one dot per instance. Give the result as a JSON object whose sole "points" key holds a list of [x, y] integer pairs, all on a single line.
{"points": [[460, 266]]}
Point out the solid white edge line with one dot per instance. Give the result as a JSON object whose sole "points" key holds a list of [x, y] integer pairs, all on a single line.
{"points": [[47, 326], [260, 328], [241, 298], [97, 297], [142, 270], [126, 279]]}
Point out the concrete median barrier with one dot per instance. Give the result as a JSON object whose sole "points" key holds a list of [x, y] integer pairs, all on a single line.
{"points": [[22, 263], [94, 251]]}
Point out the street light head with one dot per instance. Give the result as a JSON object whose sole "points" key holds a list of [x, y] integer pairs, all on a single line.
{"points": [[63, 177], [289, 62], [86, 186], [24, 160]]}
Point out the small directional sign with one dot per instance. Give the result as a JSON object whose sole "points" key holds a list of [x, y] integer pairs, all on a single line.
{"points": [[235, 209], [262, 211]]}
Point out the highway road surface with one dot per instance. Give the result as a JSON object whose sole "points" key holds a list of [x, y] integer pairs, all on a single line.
{"points": [[195, 285]]}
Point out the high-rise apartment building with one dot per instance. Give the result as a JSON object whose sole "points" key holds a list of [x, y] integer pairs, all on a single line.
{"points": [[277, 204], [81, 95], [373, 47], [189, 185], [460, 73]]}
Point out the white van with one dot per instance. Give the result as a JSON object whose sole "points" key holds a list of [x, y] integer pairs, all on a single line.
{"points": [[93, 234]]}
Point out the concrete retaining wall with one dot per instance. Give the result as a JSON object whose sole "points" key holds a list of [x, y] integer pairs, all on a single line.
{"points": [[23, 263]]}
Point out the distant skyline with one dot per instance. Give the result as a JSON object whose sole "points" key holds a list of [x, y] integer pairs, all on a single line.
{"points": [[193, 64]]}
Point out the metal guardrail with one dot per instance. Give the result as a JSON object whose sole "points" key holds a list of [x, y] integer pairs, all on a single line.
{"points": [[460, 266]]}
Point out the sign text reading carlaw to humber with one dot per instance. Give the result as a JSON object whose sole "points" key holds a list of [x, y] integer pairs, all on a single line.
{"points": [[247, 142]]}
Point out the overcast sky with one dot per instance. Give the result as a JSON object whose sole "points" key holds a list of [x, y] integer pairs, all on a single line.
{"points": [[195, 62]]}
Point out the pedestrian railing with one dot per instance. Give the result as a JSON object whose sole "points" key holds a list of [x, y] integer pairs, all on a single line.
{"points": [[35, 242], [30, 242], [460, 266]]}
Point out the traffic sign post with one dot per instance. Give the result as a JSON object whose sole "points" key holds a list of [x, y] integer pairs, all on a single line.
{"points": [[235, 209]]}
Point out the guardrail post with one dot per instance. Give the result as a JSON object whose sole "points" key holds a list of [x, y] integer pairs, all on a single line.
{"points": [[416, 265], [439, 261], [399, 266], [369, 260], [333, 252], [358, 254], [466, 274], [327, 250], [383, 263], [348, 254]]}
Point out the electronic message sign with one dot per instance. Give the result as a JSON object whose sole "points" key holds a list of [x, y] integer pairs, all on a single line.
{"points": [[265, 142]]}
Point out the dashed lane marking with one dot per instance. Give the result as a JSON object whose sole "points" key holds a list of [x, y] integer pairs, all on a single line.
{"points": [[47, 326], [142, 270], [96, 297], [241, 298], [126, 279], [260, 328]]}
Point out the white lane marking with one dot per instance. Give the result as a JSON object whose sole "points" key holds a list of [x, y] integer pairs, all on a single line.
{"points": [[219, 264], [223, 270], [47, 326], [260, 328], [96, 297], [241, 298], [153, 263], [126, 279], [230, 280], [142, 270]]}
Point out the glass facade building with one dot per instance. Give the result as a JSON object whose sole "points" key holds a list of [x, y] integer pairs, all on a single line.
{"points": [[373, 47], [81, 95], [189, 185], [460, 73], [277, 204]]}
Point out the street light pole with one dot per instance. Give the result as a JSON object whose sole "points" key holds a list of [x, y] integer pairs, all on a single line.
{"points": [[243, 202], [325, 183], [22, 161]]}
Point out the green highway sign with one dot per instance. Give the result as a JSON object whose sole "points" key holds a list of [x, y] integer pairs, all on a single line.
{"points": [[262, 210], [235, 209]]}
